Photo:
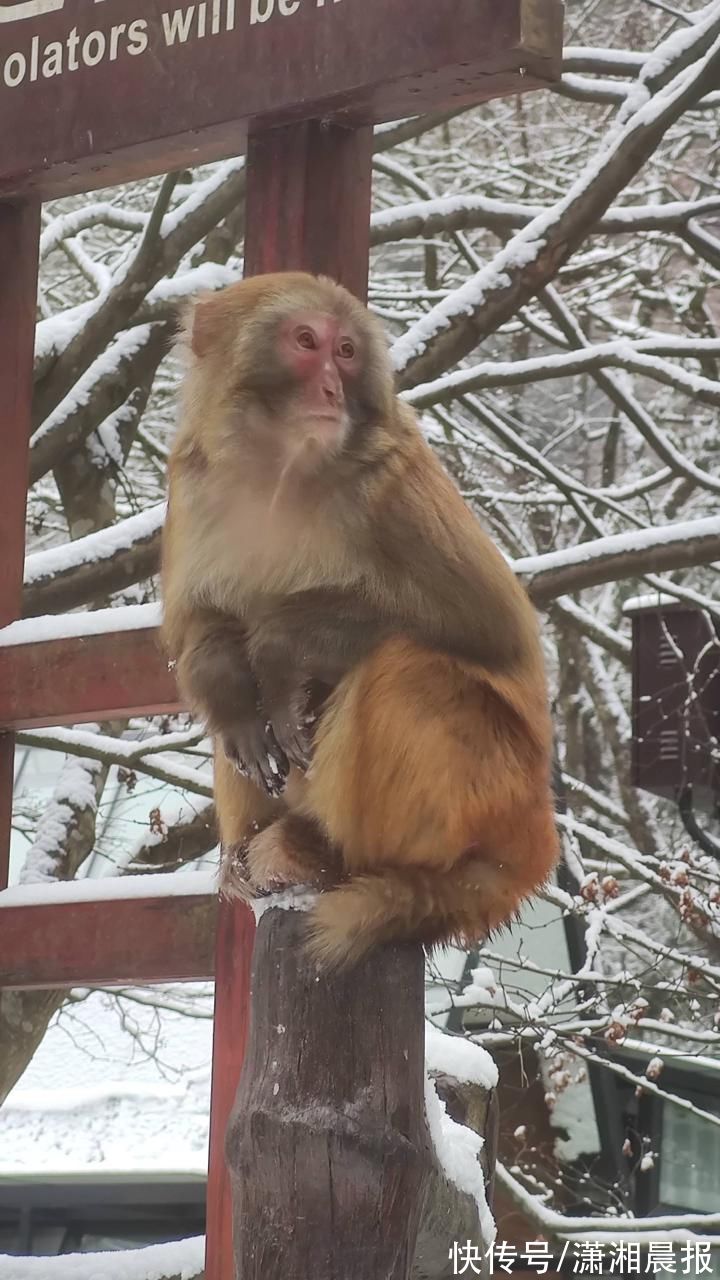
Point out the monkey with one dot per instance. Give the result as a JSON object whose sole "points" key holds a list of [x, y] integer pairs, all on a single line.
{"points": [[368, 664]]}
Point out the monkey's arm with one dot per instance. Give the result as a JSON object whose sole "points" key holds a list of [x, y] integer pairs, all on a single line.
{"points": [[214, 673]]}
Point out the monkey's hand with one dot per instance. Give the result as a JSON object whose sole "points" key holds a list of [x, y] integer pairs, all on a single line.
{"points": [[303, 640], [285, 703], [290, 724], [253, 748], [214, 671]]}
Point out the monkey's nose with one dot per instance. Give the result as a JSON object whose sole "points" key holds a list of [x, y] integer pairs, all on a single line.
{"points": [[332, 388]]}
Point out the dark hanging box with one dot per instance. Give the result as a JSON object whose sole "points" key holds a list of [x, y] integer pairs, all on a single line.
{"points": [[675, 700]]}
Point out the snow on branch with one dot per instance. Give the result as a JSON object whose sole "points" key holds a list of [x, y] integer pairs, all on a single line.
{"points": [[167, 236], [101, 563], [642, 357], [64, 824], [101, 389], [146, 756], [532, 257], [681, 1226], [100, 213], [622, 555], [598, 61], [467, 212]]}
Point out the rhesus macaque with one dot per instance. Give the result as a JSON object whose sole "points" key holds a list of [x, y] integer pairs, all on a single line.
{"points": [[363, 655]]}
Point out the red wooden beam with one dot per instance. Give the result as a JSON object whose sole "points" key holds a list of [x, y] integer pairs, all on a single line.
{"points": [[91, 677], [19, 241], [110, 943], [302, 176]]}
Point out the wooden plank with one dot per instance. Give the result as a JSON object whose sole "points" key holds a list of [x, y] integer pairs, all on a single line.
{"points": [[19, 241], [110, 943], [92, 677], [234, 949], [191, 77]]}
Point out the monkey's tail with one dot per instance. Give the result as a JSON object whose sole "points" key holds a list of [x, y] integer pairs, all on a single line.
{"points": [[404, 905]]}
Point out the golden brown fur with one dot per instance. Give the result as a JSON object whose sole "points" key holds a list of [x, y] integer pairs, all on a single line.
{"points": [[428, 794]]}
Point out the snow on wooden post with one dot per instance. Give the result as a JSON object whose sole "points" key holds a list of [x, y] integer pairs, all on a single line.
{"points": [[328, 1148]]}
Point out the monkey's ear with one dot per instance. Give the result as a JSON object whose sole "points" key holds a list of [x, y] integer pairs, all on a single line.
{"points": [[205, 324]]}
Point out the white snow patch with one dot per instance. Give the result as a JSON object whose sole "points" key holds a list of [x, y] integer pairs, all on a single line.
{"points": [[174, 884], [458, 1152], [207, 277], [183, 1258], [124, 1090], [64, 626], [74, 793], [295, 899], [459, 1058], [653, 600]]}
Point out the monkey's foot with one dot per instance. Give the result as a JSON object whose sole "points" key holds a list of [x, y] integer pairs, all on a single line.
{"points": [[292, 851], [272, 864], [233, 882]]}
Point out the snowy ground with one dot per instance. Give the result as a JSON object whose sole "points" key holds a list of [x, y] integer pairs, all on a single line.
{"points": [[113, 1089]]}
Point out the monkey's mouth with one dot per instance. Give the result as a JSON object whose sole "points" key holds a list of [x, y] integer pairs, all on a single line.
{"points": [[328, 430]]}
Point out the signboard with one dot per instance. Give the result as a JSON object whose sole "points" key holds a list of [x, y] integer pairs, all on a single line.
{"points": [[97, 91]]}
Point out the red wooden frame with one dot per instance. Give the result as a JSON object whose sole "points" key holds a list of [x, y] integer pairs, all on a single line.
{"points": [[121, 673], [117, 942], [308, 206]]}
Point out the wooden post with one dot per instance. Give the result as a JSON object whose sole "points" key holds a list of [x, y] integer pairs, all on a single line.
{"points": [[19, 241], [328, 1149], [309, 189]]}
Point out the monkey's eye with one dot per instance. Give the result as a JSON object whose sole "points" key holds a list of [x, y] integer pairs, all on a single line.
{"points": [[306, 339], [346, 349]]}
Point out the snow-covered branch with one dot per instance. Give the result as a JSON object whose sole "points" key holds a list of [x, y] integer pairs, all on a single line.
{"points": [[535, 254]]}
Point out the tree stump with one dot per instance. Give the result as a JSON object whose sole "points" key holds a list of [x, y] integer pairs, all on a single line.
{"points": [[327, 1146]]}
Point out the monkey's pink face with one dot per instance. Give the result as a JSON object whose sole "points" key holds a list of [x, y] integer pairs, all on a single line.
{"points": [[322, 355]]}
